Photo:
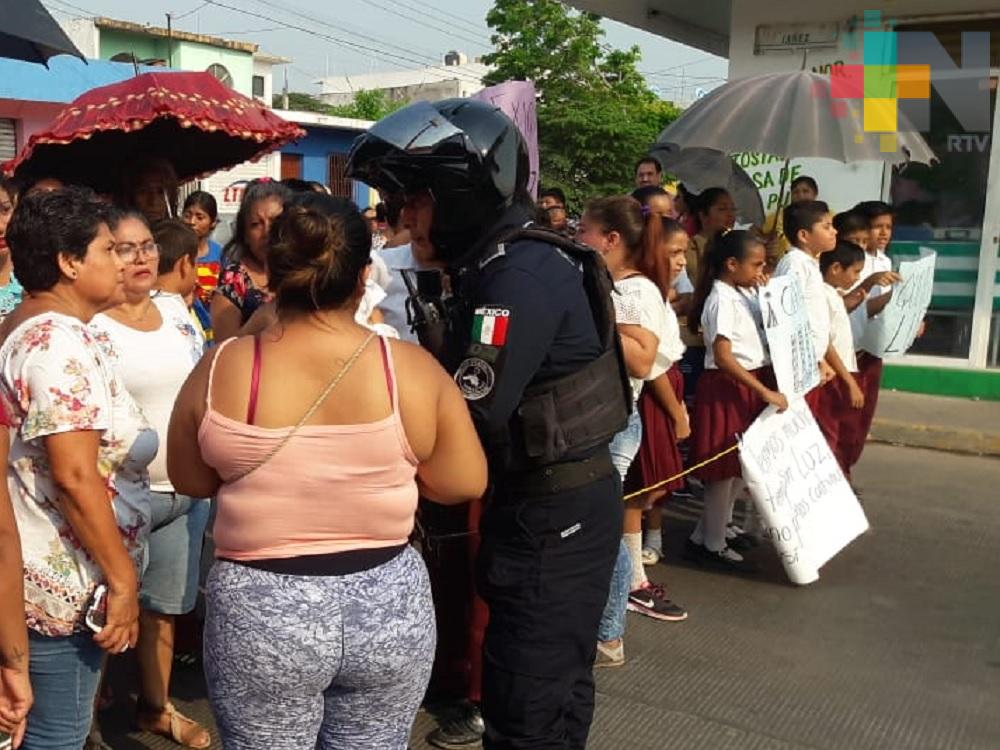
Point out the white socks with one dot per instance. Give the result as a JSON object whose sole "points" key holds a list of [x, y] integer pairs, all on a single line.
{"points": [[653, 539], [719, 499], [633, 542]]}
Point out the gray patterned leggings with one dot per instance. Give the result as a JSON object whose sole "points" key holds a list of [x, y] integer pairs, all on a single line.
{"points": [[335, 663]]}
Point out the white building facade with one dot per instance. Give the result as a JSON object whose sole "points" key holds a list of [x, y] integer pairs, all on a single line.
{"points": [[952, 207]]}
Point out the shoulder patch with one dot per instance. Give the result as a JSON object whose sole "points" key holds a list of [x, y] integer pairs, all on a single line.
{"points": [[489, 325], [475, 378]]}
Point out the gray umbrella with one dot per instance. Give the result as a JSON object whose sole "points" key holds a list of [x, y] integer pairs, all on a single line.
{"points": [[791, 115], [703, 168]]}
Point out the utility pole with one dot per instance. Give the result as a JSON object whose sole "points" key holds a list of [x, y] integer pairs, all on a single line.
{"points": [[284, 92], [170, 42]]}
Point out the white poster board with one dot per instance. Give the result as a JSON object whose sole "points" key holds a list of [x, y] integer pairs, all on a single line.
{"points": [[809, 511], [892, 333], [789, 336]]}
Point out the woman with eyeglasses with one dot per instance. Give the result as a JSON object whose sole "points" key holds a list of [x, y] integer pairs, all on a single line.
{"points": [[153, 345], [77, 466]]}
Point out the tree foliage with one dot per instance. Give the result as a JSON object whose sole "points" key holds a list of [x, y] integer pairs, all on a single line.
{"points": [[596, 114], [367, 105]]}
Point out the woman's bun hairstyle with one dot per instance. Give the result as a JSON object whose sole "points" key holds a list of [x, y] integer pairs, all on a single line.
{"points": [[320, 245]]}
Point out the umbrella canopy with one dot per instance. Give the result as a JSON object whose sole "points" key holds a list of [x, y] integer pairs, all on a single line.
{"points": [[791, 115], [29, 33], [703, 168], [191, 119]]}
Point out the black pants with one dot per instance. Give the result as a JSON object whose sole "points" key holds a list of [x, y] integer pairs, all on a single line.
{"points": [[544, 570]]}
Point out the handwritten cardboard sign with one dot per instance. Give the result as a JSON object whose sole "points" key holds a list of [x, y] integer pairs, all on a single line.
{"points": [[893, 332], [516, 99], [809, 510], [789, 336]]}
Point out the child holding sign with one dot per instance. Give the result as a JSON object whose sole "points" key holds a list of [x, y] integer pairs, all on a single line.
{"points": [[867, 300], [736, 386], [841, 268]]}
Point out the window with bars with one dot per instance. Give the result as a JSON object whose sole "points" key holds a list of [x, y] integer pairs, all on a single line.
{"points": [[340, 184]]}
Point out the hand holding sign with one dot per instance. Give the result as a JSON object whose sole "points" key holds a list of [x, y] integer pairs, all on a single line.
{"points": [[893, 332], [809, 509], [789, 336]]}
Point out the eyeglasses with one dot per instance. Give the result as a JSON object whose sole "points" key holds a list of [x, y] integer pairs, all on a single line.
{"points": [[129, 251]]}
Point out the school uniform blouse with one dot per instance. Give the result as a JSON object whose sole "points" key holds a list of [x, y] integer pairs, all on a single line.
{"points": [[638, 302], [734, 316]]}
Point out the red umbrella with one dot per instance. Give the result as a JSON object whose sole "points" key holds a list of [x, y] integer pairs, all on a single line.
{"points": [[191, 119]]}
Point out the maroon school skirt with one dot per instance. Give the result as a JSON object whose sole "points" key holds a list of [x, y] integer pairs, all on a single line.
{"points": [[659, 456], [723, 409]]}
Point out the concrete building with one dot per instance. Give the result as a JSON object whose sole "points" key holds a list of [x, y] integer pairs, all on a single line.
{"points": [[455, 77], [31, 95], [952, 207], [322, 155], [240, 65]]}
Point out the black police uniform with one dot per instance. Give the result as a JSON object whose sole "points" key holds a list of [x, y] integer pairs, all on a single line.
{"points": [[546, 554]]}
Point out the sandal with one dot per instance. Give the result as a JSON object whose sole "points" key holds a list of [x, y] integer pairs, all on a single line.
{"points": [[183, 730]]}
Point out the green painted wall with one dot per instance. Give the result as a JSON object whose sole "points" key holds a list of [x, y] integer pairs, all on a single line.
{"points": [[191, 56], [144, 47], [943, 381], [185, 55]]}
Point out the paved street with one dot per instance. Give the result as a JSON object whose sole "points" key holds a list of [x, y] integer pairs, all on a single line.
{"points": [[897, 646]]}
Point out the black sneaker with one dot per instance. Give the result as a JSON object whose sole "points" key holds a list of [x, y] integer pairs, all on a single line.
{"points": [[460, 728], [737, 539], [651, 600], [725, 559]]}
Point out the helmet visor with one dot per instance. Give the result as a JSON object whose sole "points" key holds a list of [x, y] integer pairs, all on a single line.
{"points": [[418, 128]]}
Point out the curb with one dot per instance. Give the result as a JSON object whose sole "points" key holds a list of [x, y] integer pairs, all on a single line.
{"points": [[951, 440]]}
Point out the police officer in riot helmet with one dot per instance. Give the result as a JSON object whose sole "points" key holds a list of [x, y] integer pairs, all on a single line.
{"points": [[524, 321]]}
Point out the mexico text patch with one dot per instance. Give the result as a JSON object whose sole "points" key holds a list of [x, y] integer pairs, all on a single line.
{"points": [[489, 326]]}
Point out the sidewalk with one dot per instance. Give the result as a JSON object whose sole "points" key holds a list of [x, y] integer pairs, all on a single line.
{"points": [[946, 424]]}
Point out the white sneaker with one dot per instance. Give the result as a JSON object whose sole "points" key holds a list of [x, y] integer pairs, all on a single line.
{"points": [[650, 556]]}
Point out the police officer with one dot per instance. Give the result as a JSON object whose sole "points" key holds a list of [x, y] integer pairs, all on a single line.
{"points": [[526, 334]]}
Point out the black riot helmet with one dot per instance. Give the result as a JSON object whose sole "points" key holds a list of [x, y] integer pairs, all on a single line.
{"points": [[467, 153]]}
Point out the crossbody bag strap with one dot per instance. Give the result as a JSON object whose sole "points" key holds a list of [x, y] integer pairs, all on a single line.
{"points": [[309, 412]]}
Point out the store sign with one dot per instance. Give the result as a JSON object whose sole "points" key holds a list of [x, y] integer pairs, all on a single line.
{"points": [[893, 332], [792, 36], [789, 336], [809, 511]]}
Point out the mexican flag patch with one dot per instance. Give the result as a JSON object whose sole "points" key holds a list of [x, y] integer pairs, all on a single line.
{"points": [[489, 326]]}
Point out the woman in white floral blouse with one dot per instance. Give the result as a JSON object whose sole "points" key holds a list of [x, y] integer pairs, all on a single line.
{"points": [[77, 468]]}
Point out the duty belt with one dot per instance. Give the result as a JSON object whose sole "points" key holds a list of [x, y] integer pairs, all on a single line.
{"points": [[559, 477]]}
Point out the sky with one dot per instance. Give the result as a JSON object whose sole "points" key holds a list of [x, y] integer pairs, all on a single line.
{"points": [[362, 36]]}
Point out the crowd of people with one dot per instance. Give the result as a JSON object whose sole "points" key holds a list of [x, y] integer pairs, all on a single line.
{"points": [[156, 384]]}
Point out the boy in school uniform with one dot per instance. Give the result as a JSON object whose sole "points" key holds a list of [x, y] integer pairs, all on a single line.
{"points": [[178, 269], [842, 397], [809, 226], [864, 302]]}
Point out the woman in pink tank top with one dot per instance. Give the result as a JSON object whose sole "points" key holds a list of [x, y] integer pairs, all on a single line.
{"points": [[316, 437]]}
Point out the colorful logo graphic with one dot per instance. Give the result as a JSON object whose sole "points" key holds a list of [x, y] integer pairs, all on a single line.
{"points": [[892, 73]]}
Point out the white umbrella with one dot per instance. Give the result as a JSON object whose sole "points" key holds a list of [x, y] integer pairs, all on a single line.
{"points": [[791, 115]]}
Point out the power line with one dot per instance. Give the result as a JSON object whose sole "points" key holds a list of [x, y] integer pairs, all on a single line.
{"points": [[443, 16], [451, 32], [344, 42], [190, 12], [475, 26], [90, 13]]}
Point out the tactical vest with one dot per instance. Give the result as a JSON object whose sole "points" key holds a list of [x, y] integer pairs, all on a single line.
{"points": [[576, 413]]}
